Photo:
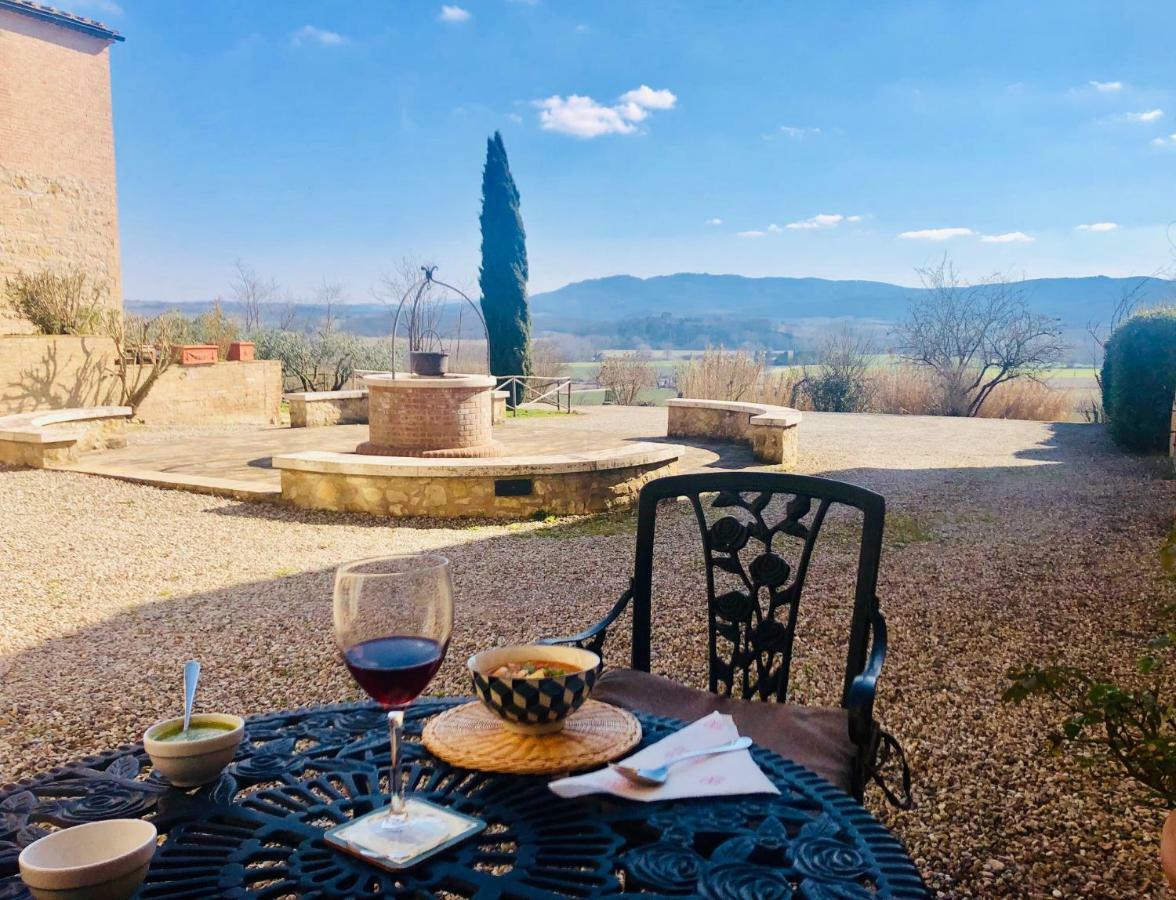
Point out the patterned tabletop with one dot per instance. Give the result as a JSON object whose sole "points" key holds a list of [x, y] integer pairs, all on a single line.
{"points": [[257, 831]]}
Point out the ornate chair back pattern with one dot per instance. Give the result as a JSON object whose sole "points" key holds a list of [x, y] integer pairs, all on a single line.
{"points": [[752, 626]]}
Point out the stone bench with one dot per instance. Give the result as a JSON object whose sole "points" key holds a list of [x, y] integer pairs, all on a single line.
{"points": [[496, 487], [772, 431], [315, 409], [40, 439]]}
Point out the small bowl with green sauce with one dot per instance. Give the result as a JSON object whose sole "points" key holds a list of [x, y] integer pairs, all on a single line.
{"points": [[198, 755]]}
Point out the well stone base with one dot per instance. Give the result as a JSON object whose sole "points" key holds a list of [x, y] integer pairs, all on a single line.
{"points": [[507, 487]]}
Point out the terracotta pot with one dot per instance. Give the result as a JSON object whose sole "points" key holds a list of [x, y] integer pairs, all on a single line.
{"points": [[1168, 848], [195, 354], [241, 351], [428, 363]]}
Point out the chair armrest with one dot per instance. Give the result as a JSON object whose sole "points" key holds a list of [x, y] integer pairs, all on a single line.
{"points": [[592, 638], [861, 691]]}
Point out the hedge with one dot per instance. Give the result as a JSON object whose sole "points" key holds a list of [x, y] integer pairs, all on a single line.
{"points": [[1139, 380]]}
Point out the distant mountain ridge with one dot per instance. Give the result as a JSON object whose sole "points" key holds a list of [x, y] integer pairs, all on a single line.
{"points": [[722, 308], [1075, 301]]}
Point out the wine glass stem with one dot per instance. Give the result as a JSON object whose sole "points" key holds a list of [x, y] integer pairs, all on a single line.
{"points": [[396, 809]]}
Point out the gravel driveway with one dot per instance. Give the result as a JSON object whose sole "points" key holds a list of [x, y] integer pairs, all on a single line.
{"points": [[1007, 542]]}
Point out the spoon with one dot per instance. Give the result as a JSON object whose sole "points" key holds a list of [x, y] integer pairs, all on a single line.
{"points": [[657, 775], [191, 676]]}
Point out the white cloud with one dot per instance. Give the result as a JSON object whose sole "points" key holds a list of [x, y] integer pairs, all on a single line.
{"points": [[750, 234], [1169, 141], [798, 133], [583, 117], [715, 221], [1150, 115], [1011, 237], [1097, 226], [647, 98], [582, 29], [454, 15], [1106, 87], [936, 234], [774, 228], [822, 220], [309, 34], [515, 117]]}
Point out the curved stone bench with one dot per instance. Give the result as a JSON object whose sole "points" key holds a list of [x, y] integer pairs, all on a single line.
{"points": [[772, 431], [494, 487], [315, 409], [39, 439]]}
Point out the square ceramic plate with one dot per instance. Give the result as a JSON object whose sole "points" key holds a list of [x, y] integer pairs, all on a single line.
{"points": [[362, 838]]}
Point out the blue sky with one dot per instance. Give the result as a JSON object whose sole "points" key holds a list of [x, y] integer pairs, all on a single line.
{"points": [[328, 139]]}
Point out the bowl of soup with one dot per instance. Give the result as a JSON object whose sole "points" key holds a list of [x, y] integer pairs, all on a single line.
{"points": [[196, 755], [533, 688]]}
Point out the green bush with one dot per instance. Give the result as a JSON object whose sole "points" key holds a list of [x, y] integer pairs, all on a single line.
{"points": [[1139, 380]]}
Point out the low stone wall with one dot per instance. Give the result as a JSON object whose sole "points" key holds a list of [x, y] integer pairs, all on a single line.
{"points": [[498, 407], [317, 409], [506, 487], [224, 393], [772, 431], [43, 372], [45, 439]]}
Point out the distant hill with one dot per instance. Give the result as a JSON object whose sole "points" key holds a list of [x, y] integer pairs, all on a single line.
{"points": [[1075, 301], [693, 310]]}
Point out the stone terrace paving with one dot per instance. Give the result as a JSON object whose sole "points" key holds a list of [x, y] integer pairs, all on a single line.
{"points": [[235, 459]]}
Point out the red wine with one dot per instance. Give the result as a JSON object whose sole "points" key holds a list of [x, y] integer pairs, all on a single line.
{"points": [[394, 670]]}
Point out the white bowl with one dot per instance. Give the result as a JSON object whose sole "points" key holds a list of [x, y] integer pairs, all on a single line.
{"points": [[189, 763], [97, 861]]}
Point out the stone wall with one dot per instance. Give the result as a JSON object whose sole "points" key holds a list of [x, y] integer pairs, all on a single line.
{"points": [[227, 392], [317, 409], [42, 372], [773, 432], [58, 205], [62, 371], [572, 493]]}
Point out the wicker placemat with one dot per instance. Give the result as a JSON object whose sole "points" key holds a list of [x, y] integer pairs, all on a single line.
{"points": [[473, 737]]}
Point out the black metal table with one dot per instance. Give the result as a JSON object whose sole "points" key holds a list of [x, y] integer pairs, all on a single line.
{"points": [[257, 832]]}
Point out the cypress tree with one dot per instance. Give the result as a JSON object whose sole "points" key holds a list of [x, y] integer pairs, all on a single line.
{"points": [[503, 276]]}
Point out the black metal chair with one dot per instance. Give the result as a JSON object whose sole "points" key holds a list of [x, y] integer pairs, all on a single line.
{"points": [[752, 626]]}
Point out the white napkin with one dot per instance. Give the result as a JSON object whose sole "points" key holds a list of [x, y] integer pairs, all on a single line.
{"points": [[707, 776]]}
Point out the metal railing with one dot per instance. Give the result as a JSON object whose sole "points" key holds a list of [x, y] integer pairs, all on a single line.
{"points": [[524, 389]]}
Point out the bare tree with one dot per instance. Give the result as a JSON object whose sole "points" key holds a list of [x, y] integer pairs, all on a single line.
{"points": [[329, 295], [144, 347], [975, 337], [626, 376], [253, 293]]}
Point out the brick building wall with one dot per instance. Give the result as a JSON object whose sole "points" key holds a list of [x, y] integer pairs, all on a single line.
{"points": [[58, 206]]}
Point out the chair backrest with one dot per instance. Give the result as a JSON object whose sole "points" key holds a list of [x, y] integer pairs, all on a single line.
{"points": [[751, 628]]}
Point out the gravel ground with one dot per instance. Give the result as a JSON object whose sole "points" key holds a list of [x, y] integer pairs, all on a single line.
{"points": [[1007, 542]]}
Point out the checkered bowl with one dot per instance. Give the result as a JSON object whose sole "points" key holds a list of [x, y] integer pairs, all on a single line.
{"points": [[534, 705]]}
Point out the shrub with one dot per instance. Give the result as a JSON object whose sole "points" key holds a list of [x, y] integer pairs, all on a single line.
{"points": [[626, 376], [842, 382], [720, 375], [1028, 399], [57, 303], [213, 327], [1139, 380]]}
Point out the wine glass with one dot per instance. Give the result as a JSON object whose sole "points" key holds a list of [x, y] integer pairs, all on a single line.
{"points": [[393, 620]]}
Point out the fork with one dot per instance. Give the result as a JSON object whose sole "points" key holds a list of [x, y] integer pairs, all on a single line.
{"points": [[654, 776]]}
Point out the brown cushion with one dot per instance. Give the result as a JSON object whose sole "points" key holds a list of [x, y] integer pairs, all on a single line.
{"points": [[812, 736]]}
